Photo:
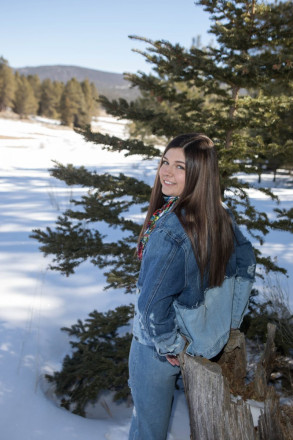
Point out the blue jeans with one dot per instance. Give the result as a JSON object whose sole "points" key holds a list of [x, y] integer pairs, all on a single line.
{"points": [[152, 382]]}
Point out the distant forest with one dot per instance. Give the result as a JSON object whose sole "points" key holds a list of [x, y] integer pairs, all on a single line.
{"points": [[74, 103], [112, 85]]}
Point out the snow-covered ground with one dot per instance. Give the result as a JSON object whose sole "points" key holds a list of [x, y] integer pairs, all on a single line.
{"points": [[35, 302]]}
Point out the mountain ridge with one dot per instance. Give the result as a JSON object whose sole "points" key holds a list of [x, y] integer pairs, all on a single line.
{"points": [[113, 85]]}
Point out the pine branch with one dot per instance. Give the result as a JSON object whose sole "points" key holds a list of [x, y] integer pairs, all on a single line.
{"points": [[112, 186], [98, 361], [268, 263], [285, 222], [113, 143]]}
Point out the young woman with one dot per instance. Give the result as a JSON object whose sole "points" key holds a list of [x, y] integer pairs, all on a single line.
{"points": [[195, 279]]}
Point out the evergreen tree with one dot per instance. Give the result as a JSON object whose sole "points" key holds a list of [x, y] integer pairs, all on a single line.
{"points": [[25, 102], [7, 85], [58, 90], [73, 108], [46, 105], [90, 95], [189, 90], [95, 97], [35, 83], [50, 98]]}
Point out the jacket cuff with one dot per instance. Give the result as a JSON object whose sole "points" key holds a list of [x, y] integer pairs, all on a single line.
{"points": [[170, 344]]}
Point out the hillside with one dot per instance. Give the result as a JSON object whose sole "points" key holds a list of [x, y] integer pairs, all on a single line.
{"points": [[113, 85]]}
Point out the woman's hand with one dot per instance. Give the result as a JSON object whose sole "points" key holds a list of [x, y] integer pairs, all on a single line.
{"points": [[173, 360]]}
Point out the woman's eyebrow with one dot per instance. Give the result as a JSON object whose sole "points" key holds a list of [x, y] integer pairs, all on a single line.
{"points": [[177, 161]]}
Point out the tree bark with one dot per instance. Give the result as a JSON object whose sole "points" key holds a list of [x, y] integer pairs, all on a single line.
{"points": [[265, 365], [234, 365], [273, 423], [213, 414], [232, 113]]}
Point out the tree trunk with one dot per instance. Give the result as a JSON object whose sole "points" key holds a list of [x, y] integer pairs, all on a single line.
{"points": [[232, 113]]}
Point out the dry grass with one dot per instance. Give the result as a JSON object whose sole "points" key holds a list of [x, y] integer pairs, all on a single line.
{"points": [[13, 137]]}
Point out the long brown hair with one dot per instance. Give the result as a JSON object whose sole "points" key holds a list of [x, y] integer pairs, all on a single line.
{"points": [[199, 207]]}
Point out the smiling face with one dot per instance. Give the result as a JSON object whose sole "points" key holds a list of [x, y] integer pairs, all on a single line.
{"points": [[172, 172]]}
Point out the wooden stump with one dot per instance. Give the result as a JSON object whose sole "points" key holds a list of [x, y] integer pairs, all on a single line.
{"points": [[234, 366], [213, 414], [265, 365], [269, 424]]}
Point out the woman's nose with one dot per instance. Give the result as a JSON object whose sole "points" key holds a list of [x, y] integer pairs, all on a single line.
{"points": [[168, 171]]}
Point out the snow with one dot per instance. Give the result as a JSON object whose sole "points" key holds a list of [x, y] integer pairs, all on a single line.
{"points": [[255, 408], [35, 302]]}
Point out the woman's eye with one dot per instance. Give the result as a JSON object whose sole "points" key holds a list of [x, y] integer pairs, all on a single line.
{"points": [[165, 162], [180, 167]]}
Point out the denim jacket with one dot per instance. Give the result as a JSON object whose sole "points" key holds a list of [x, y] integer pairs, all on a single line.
{"points": [[173, 305]]}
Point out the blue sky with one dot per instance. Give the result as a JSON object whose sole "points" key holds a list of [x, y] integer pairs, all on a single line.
{"points": [[94, 33]]}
